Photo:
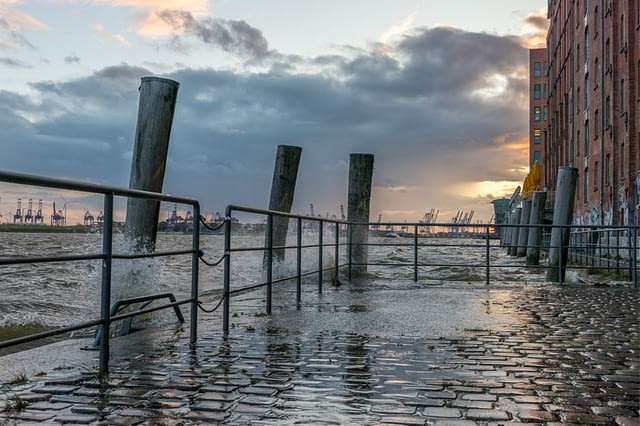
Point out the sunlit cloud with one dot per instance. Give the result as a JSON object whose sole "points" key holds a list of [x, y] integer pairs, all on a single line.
{"points": [[399, 28], [13, 23], [108, 36], [148, 22], [534, 33]]}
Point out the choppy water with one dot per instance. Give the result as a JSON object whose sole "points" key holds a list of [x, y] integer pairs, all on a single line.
{"points": [[37, 296]]}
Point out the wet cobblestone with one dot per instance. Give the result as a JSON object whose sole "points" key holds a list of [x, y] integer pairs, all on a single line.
{"points": [[570, 355]]}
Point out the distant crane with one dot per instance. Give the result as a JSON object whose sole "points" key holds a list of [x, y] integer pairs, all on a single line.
{"points": [[28, 217], [342, 216], [17, 217], [57, 218], [88, 218], [311, 210], [39, 217]]}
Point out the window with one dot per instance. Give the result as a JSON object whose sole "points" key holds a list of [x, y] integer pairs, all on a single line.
{"points": [[545, 68], [595, 176], [578, 99], [537, 136], [578, 142], [537, 157], [586, 138], [545, 92], [537, 92], [536, 113], [607, 112], [622, 38], [578, 58], [622, 162], [596, 67], [596, 125], [545, 113], [607, 57], [622, 107], [607, 170], [537, 69], [585, 187]]}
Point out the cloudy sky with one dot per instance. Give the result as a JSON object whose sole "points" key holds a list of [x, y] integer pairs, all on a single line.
{"points": [[436, 90]]}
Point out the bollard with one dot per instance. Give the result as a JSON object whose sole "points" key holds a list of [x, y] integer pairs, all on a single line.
{"points": [[535, 232], [562, 216], [523, 231], [155, 116], [283, 188], [514, 231], [360, 174]]}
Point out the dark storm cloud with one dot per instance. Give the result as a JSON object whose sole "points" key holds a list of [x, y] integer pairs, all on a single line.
{"points": [[417, 109], [539, 22], [229, 35]]}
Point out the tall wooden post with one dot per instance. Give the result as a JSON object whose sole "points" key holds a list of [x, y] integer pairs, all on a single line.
{"points": [[155, 117], [523, 232], [562, 216], [514, 233], [535, 232], [359, 199], [283, 187]]}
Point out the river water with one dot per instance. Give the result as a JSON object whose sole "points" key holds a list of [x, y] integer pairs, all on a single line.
{"points": [[39, 296]]}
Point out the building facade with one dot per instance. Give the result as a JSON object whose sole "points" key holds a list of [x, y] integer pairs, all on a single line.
{"points": [[538, 109], [593, 105]]}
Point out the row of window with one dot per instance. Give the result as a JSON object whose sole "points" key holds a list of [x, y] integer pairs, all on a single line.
{"points": [[540, 113], [540, 91]]}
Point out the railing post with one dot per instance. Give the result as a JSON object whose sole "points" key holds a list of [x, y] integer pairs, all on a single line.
{"points": [[336, 273], [635, 256], [299, 265], [349, 247], [415, 253], [195, 262], [320, 242], [269, 260], [561, 260], [227, 271], [105, 299], [487, 253]]}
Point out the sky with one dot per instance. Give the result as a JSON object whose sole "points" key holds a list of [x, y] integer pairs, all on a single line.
{"points": [[436, 90]]}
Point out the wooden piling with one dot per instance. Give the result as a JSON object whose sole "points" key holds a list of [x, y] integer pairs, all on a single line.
{"points": [[283, 188], [358, 208], [562, 216], [523, 231], [155, 117], [514, 231], [535, 232]]}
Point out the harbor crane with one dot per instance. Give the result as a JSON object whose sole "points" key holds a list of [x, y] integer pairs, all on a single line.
{"points": [[17, 217], [39, 217], [28, 217]]}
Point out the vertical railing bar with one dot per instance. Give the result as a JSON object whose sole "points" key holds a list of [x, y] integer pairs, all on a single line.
{"points": [[299, 264], [105, 298], [195, 262], [415, 253], [269, 260], [560, 268], [336, 273], [635, 257], [487, 253], [227, 271], [349, 247], [320, 242], [618, 251]]}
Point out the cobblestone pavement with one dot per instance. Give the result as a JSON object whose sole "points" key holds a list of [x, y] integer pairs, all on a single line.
{"points": [[568, 355]]}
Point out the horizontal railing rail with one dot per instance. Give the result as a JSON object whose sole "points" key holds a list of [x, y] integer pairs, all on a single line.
{"points": [[107, 256]]}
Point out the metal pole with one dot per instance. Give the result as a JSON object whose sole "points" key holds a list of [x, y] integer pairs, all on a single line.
{"points": [[227, 271], [320, 242], [105, 300], [560, 259], [337, 254], [269, 260], [415, 253], [562, 217], [349, 246], [634, 235], [195, 263], [299, 265], [487, 253]]}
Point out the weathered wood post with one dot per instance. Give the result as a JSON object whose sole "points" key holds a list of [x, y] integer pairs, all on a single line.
{"points": [[283, 186], [359, 198], [514, 231], [562, 216], [523, 232], [535, 232], [504, 231], [155, 117]]}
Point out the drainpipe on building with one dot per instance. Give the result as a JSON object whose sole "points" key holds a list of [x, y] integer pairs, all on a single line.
{"points": [[602, 110]]}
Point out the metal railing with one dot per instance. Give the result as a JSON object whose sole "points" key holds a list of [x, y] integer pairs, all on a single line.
{"points": [[107, 256], [269, 250]]}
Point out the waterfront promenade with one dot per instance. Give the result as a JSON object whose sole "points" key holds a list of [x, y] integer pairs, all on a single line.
{"points": [[359, 354]]}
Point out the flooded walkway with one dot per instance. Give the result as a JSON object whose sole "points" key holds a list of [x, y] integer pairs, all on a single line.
{"points": [[362, 355]]}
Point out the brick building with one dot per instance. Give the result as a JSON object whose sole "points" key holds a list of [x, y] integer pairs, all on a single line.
{"points": [[592, 106]]}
